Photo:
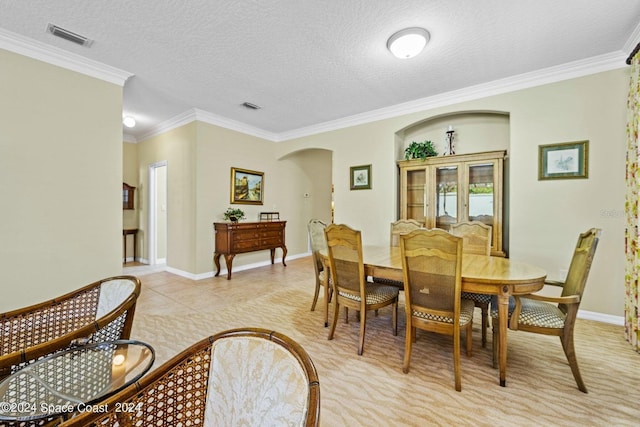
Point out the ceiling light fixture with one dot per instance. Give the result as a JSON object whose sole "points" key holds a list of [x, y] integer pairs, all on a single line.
{"points": [[408, 43], [129, 121]]}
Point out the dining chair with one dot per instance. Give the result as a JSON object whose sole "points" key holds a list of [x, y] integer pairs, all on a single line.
{"points": [[476, 239], [402, 226], [351, 289], [432, 270], [100, 311], [318, 243], [238, 377], [550, 315]]}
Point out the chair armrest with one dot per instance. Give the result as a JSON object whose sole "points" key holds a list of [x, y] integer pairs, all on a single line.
{"points": [[554, 283], [570, 299]]}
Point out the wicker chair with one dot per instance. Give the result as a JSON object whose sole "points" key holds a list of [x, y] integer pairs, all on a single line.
{"points": [[101, 311], [476, 239], [432, 270], [351, 289], [248, 377], [319, 243], [550, 315]]}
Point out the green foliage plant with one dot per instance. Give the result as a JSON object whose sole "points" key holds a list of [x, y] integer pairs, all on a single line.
{"points": [[420, 150], [232, 214]]}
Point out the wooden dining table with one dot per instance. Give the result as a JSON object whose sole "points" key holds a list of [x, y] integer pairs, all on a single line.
{"points": [[481, 274]]}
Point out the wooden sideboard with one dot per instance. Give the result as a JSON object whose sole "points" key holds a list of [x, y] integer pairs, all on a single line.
{"points": [[235, 238]]}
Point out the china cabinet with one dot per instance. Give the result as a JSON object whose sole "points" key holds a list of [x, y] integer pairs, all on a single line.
{"points": [[443, 190]]}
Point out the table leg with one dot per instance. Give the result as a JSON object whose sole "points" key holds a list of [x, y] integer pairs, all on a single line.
{"points": [[135, 245], [503, 316], [325, 285]]}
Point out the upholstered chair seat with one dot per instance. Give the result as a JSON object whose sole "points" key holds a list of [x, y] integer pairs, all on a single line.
{"points": [[376, 293], [466, 314], [534, 313]]}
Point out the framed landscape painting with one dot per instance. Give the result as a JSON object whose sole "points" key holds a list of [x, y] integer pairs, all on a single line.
{"points": [[567, 160], [361, 177], [247, 186]]}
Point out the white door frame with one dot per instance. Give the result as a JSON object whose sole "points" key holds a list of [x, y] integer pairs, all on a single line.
{"points": [[153, 201]]}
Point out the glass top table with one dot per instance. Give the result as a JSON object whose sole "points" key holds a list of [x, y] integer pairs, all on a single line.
{"points": [[73, 380]]}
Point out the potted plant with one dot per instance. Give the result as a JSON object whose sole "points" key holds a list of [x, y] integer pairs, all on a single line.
{"points": [[420, 150], [234, 215]]}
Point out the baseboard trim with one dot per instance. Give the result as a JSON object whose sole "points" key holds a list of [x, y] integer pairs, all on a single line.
{"points": [[601, 317], [223, 271]]}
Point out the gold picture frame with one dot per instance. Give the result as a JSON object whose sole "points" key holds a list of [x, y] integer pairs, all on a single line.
{"points": [[360, 177], [566, 160], [247, 186]]}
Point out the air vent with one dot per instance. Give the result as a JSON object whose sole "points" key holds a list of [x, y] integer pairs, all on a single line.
{"points": [[68, 35], [251, 106]]}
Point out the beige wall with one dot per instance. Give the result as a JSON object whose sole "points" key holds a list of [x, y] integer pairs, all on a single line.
{"points": [[199, 160], [61, 174], [285, 183], [546, 216], [177, 148]]}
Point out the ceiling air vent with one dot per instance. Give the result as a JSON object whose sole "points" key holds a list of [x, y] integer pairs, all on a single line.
{"points": [[251, 106], [68, 35]]}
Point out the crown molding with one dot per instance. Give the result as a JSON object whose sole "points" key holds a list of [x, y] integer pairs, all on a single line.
{"points": [[170, 124], [216, 120], [558, 73], [31, 48], [210, 118], [632, 41], [127, 137]]}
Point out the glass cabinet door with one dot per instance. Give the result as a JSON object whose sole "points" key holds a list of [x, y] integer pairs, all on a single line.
{"points": [[481, 193], [416, 182], [447, 197]]}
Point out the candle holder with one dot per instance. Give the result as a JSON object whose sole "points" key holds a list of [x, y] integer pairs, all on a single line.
{"points": [[450, 149]]}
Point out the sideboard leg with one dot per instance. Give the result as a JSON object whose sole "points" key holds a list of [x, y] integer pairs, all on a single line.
{"points": [[216, 261], [229, 260], [273, 254], [284, 254]]}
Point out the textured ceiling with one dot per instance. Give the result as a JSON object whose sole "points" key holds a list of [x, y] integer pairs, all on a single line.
{"points": [[308, 62]]}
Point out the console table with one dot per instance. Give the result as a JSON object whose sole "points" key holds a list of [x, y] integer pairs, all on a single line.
{"points": [[234, 238]]}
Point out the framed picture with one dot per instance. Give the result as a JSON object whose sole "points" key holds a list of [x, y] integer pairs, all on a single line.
{"points": [[361, 177], [247, 186], [568, 160]]}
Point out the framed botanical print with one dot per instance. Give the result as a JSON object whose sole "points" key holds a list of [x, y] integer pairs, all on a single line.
{"points": [[567, 160], [361, 177]]}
